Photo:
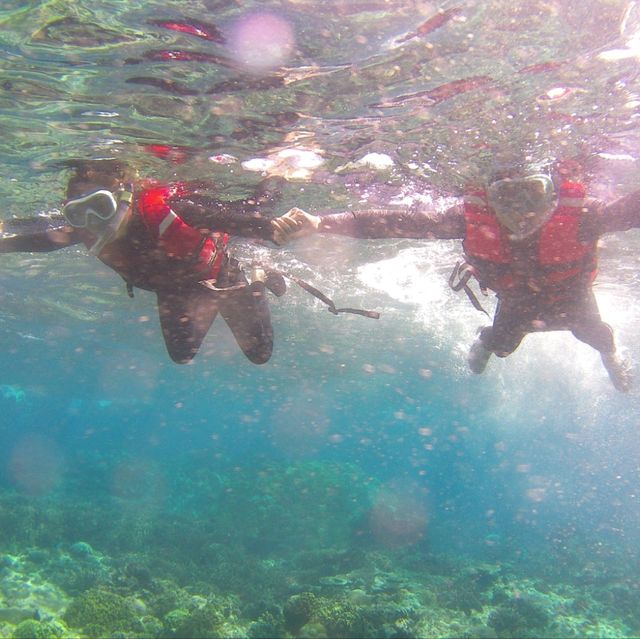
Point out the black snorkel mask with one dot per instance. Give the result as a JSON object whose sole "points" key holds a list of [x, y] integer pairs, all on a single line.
{"points": [[99, 213]]}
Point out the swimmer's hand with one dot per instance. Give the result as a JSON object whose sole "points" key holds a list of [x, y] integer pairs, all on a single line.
{"points": [[294, 224]]}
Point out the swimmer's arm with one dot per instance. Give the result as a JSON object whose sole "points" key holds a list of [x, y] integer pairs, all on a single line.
{"points": [[36, 234], [620, 215], [241, 217], [415, 222]]}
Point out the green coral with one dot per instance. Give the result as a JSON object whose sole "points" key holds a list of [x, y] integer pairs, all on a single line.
{"points": [[95, 630], [200, 623], [174, 620], [34, 629], [519, 617], [335, 618], [168, 597], [153, 627], [464, 594], [101, 608], [313, 630], [299, 610], [268, 624], [342, 619]]}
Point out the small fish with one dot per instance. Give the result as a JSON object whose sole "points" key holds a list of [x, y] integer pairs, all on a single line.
{"points": [[245, 84], [440, 93], [542, 67], [456, 87], [430, 25], [31, 337], [170, 86], [180, 55], [71, 31], [100, 114], [196, 28]]}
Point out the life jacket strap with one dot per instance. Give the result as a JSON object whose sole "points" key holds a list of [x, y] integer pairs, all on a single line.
{"points": [[328, 301], [463, 272], [312, 290]]}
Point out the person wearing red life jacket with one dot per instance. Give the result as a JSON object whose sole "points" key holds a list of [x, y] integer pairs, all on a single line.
{"points": [[165, 238], [529, 235]]}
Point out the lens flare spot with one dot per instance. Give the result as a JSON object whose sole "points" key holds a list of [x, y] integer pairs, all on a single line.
{"points": [[138, 482], [397, 518], [261, 41], [36, 465], [299, 427]]}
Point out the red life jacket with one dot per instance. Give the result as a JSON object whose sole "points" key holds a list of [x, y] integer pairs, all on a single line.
{"points": [[557, 254], [205, 251], [158, 249]]}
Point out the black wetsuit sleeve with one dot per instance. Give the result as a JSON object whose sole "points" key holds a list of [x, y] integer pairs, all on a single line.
{"points": [[620, 215], [600, 218], [36, 234], [416, 222], [241, 217]]}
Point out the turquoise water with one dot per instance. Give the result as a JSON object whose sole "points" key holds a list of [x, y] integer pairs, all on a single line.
{"points": [[362, 483]]}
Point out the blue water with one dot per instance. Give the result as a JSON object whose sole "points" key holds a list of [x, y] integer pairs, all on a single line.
{"points": [[363, 470]]}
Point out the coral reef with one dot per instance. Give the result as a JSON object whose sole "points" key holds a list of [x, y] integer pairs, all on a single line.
{"points": [[519, 617], [34, 629], [101, 611], [238, 565]]}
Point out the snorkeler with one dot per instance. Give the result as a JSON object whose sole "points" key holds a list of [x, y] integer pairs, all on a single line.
{"points": [[528, 234], [159, 237]]}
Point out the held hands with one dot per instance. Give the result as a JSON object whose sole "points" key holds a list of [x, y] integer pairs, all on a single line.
{"points": [[293, 224]]}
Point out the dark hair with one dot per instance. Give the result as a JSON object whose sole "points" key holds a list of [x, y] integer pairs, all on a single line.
{"points": [[95, 174]]}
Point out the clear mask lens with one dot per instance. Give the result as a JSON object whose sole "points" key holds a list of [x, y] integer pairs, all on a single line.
{"points": [[91, 212], [523, 205]]}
